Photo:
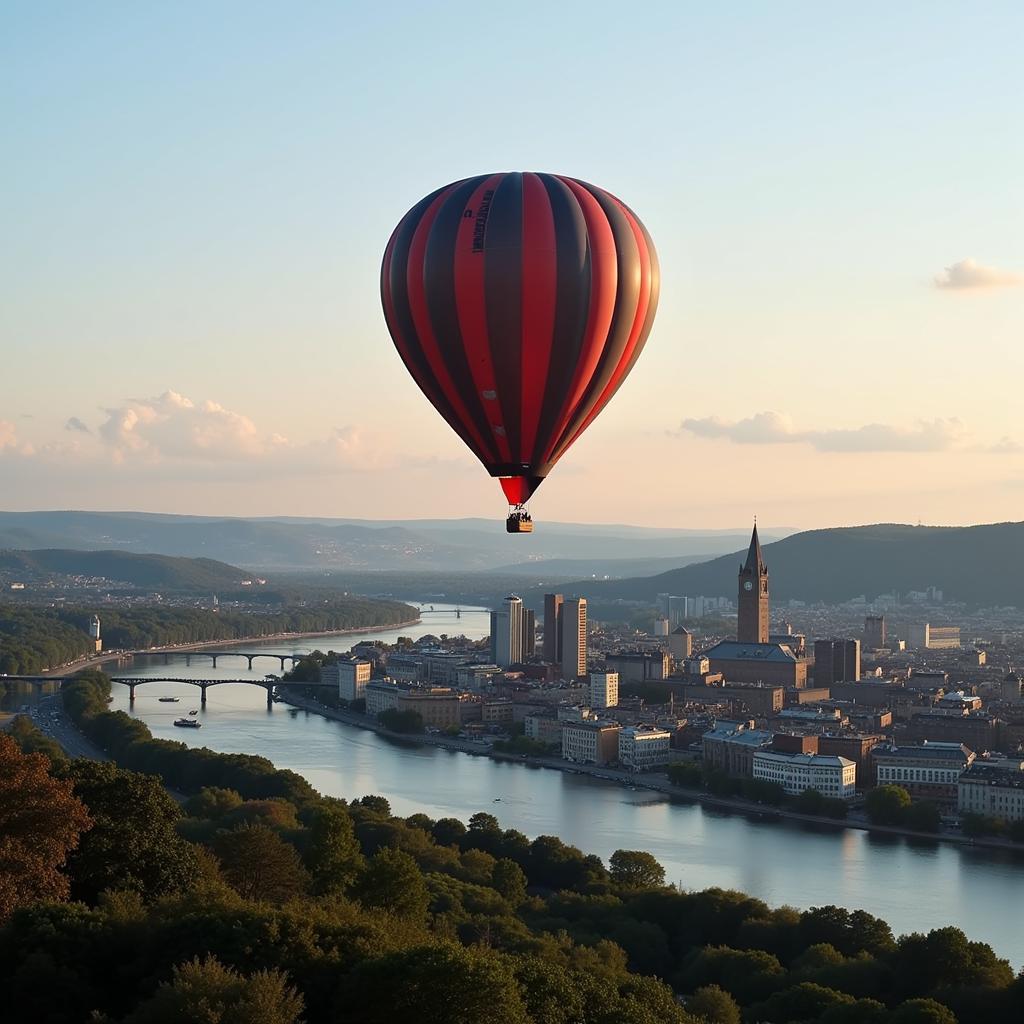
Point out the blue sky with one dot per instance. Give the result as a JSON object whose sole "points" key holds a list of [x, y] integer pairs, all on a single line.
{"points": [[197, 197]]}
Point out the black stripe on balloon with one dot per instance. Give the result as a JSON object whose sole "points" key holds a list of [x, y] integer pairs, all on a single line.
{"points": [[627, 295], [572, 306], [439, 283], [503, 273], [403, 325]]}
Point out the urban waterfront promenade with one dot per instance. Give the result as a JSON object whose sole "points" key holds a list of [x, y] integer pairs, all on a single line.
{"points": [[636, 780]]}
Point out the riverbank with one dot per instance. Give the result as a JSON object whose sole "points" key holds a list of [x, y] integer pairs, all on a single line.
{"points": [[96, 660], [634, 780]]}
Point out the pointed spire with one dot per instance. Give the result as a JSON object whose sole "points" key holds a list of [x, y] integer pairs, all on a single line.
{"points": [[754, 563]]}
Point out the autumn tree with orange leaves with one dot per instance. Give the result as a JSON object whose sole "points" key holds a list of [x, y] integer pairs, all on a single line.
{"points": [[40, 822]]}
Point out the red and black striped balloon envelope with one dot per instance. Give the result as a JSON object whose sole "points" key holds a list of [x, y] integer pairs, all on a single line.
{"points": [[519, 303]]}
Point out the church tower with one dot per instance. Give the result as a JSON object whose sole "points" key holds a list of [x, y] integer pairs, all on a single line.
{"points": [[752, 627]]}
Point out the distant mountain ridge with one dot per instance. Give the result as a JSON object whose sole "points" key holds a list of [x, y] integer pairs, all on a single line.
{"points": [[979, 565], [156, 571], [284, 544]]}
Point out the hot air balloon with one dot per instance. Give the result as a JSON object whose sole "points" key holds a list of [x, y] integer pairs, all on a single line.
{"points": [[519, 304]]}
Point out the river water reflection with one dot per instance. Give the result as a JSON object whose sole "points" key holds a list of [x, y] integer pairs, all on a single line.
{"points": [[914, 885]]}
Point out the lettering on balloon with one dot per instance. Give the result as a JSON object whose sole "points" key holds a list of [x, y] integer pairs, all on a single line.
{"points": [[481, 220]]}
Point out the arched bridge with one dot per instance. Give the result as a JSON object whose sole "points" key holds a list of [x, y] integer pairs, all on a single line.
{"points": [[214, 655], [204, 684]]}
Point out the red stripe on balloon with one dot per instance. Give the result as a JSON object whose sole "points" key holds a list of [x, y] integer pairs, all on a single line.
{"points": [[471, 307], [603, 281], [539, 296], [425, 331]]}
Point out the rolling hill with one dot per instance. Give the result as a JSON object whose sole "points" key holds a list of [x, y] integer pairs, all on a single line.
{"points": [[284, 544], [980, 565], [151, 571]]}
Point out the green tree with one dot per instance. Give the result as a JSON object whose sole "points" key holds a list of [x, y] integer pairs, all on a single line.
{"points": [[133, 843], [434, 985], [448, 831], [41, 821], [510, 880], [887, 805], [212, 802], [713, 1005], [923, 816], [333, 855], [863, 1011], [207, 992], [401, 721], [259, 865], [922, 1011], [636, 869], [391, 881], [804, 1002]]}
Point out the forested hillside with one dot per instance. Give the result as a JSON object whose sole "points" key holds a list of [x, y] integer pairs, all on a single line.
{"points": [[34, 639], [980, 565]]}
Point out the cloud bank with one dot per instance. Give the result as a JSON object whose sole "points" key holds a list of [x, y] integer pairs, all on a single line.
{"points": [[939, 435], [970, 275]]}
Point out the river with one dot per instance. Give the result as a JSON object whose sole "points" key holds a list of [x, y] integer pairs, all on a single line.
{"points": [[914, 885]]}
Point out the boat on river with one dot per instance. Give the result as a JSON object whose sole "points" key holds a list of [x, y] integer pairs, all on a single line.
{"points": [[188, 723], [168, 700]]}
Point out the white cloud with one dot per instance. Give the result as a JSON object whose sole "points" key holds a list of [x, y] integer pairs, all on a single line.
{"points": [[8, 435], [969, 274], [937, 435]]}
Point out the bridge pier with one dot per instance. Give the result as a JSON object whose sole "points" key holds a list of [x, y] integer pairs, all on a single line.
{"points": [[188, 659], [202, 695], [214, 657], [270, 696], [167, 658], [131, 694], [250, 657], [283, 656]]}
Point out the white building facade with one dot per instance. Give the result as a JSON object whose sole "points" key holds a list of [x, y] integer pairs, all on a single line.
{"points": [[604, 689], [830, 775], [643, 747]]}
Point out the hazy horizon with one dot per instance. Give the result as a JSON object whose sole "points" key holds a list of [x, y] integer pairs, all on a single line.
{"points": [[200, 199]]}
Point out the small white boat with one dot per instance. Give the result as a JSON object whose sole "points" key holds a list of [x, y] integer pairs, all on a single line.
{"points": [[188, 723]]}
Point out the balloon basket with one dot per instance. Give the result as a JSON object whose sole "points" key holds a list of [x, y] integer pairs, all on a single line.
{"points": [[519, 520]]}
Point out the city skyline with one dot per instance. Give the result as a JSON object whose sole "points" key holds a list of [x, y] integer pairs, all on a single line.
{"points": [[191, 307]]}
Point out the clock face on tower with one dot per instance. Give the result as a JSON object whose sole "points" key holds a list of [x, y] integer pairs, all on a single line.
{"points": [[748, 585]]}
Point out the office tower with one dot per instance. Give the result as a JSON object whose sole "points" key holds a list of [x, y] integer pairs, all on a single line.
{"points": [[529, 633], [752, 625], [574, 638], [604, 689], [507, 632], [553, 628], [874, 632], [836, 661]]}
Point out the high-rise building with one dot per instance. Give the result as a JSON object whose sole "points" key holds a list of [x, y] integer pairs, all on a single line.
{"points": [[874, 632], [836, 661], [507, 623], [529, 633], [752, 625], [574, 638], [604, 689], [553, 628]]}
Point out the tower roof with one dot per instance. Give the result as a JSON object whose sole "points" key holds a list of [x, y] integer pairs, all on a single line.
{"points": [[754, 562]]}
